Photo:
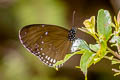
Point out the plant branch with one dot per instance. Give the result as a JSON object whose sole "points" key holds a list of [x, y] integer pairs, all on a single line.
{"points": [[95, 37], [115, 70], [114, 53], [106, 57]]}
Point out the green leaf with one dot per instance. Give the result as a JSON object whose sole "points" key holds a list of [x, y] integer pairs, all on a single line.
{"points": [[94, 47], [103, 49], [104, 24], [83, 45], [115, 39], [100, 53], [68, 56], [79, 44], [116, 42], [86, 58], [90, 24]]}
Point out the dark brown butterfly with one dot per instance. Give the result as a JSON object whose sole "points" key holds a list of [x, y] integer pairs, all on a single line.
{"points": [[49, 42]]}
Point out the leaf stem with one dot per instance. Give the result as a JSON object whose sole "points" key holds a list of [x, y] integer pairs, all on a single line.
{"points": [[95, 37], [85, 76]]}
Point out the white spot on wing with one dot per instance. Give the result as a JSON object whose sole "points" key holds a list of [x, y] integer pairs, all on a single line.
{"points": [[54, 61], [42, 42], [46, 33], [44, 60], [43, 53], [43, 25], [51, 60], [37, 50], [41, 49], [48, 58], [41, 57], [47, 62]]}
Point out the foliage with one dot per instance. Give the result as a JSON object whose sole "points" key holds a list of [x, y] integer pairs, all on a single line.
{"points": [[93, 53]]}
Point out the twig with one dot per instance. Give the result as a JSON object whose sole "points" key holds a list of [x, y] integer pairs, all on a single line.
{"points": [[106, 57], [115, 70], [114, 53]]}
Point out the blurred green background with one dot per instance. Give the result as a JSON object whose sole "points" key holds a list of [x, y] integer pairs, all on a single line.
{"points": [[16, 63]]}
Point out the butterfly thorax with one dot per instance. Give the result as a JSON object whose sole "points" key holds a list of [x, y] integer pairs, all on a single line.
{"points": [[71, 34]]}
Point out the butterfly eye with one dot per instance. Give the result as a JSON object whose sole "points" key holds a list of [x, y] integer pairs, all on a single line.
{"points": [[49, 42]]}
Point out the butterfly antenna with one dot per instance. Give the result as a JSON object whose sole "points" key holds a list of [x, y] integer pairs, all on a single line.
{"points": [[73, 18]]}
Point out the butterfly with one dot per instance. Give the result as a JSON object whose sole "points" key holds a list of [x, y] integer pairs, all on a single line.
{"points": [[49, 42]]}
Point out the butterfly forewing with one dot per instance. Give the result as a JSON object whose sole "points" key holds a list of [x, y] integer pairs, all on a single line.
{"points": [[49, 42]]}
